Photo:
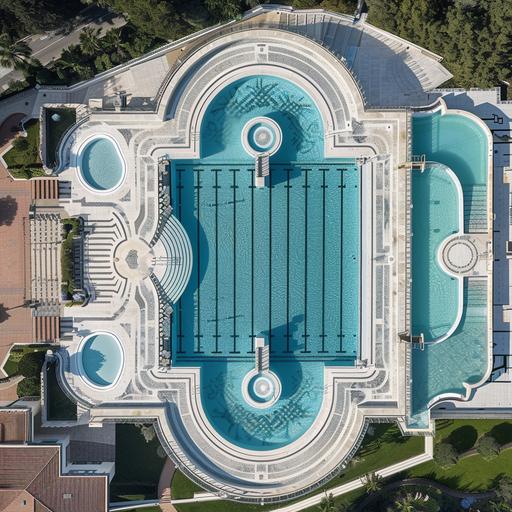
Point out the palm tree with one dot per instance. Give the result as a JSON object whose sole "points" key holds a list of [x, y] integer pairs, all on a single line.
{"points": [[113, 39], [328, 504], [89, 40], [500, 506], [410, 502], [69, 63], [14, 54], [372, 482]]}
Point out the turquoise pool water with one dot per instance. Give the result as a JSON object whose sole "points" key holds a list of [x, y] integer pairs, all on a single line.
{"points": [[459, 143], [261, 136], [102, 359], [100, 164], [434, 292], [443, 368], [280, 262]]}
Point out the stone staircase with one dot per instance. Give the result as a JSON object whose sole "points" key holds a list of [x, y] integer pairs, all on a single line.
{"points": [[262, 355], [475, 209], [173, 259], [45, 239], [101, 240]]}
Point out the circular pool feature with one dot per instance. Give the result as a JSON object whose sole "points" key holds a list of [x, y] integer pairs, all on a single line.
{"points": [[459, 255], [101, 359], [261, 389], [101, 165], [261, 135]]}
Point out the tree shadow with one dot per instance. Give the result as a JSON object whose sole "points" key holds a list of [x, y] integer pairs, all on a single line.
{"points": [[502, 433], [3, 313], [463, 438], [497, 478], [8, 209]]}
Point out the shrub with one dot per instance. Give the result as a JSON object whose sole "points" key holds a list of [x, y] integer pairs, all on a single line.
{"points": [[30, 386], [147, 431], [488, 447], [30, 364], [445, 454], [20, 143], [71, 228], [504, 489]]}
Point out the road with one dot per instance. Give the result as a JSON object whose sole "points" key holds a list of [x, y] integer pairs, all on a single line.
{"points": [[48, 46]]}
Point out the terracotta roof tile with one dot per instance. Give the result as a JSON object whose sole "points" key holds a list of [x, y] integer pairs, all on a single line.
{"points": [[36, 470], [14, 426]]}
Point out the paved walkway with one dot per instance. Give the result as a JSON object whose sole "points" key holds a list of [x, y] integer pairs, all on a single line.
{"points": [[344, 488], [358, 483], [164, 486], [15, 199], [8, 388]]}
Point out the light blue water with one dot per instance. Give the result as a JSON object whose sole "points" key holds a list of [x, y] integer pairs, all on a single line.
{"points": [[459, 143], [100, 164], [280, 262], [434, 292], [258, 128], [102, 359]]}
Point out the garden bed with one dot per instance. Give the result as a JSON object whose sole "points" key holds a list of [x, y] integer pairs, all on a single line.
{"points": [[71, 228], [23, 158], [15, 355]]}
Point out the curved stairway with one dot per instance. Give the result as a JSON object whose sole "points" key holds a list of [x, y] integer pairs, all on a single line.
{"points": [[173, 259]]}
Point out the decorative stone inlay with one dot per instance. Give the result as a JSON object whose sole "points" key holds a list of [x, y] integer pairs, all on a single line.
{"points": [[261, 135], [261, 389], [134, 259], [460, 255]]}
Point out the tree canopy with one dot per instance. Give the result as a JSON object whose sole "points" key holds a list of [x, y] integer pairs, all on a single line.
{"points": [[473, 37], [30, 364], [445, 454], [23, 17]]}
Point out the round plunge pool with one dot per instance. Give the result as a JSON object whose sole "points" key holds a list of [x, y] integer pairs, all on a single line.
{"points": [[101, 164], [101, 359]]}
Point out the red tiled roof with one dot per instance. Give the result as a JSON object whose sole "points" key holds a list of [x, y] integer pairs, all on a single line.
{"points": [[36, 469], [14, 425]]}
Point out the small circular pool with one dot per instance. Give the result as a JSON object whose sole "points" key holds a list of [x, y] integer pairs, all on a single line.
{"points": [[261, 135], [101, 358], [261, 389], [101, 164]]}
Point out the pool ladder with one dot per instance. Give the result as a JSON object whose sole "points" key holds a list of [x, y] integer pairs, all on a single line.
{"points": [[262, 355], [261, 169]]}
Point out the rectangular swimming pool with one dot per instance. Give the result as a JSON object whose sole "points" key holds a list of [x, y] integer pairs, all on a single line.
{"points": [[280, 262]]}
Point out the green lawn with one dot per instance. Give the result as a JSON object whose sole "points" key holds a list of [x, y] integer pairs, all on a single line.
{"points": [[385, 447], [17, 352], [26, 163], [182, 487], [59, 406], [348, 499], [138, 466], [472, 473], [145, 509], [55, 130]]}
